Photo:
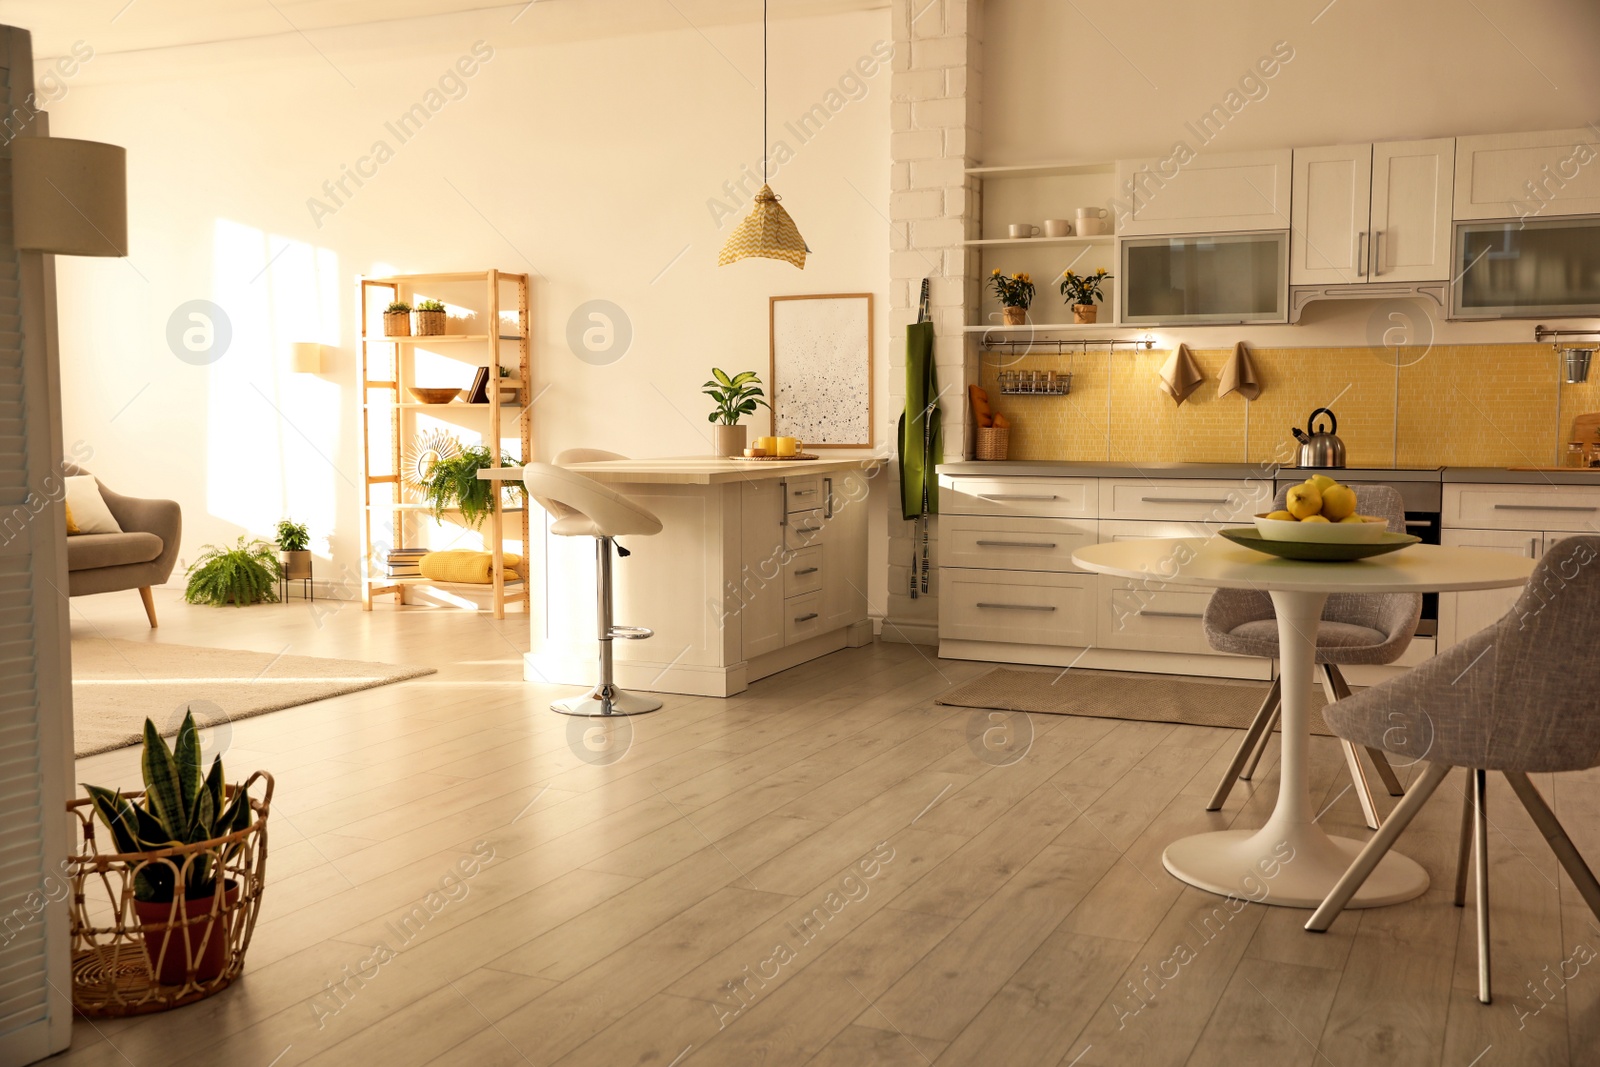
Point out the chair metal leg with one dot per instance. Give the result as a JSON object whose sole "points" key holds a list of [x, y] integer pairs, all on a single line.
{"points": [[1261, 724], [1556, 837], [1480, 870], [606, 698], [1377, 848], [1261, 744], [1380, 759], [1464, 856], [1334, 688]]}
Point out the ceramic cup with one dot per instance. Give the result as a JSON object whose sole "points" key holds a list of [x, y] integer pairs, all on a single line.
{"points": [[1058, 227], [1023, 229], [787, 446], [1091, 221]]}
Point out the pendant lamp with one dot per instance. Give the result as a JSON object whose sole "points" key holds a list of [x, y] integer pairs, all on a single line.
{"points": [[768, 231]]}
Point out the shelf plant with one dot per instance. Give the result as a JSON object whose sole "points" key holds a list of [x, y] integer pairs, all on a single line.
{"points": [[247, 573], [430, 318], [397, 319], [736, 396], [1015, 293], [1082, 290], [452, 484], [294, 549]]}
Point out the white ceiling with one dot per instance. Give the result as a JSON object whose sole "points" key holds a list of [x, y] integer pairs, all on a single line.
{"points": [[111, 26]]}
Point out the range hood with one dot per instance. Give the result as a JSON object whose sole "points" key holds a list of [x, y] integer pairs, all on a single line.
{"points": [[1302, 295]]}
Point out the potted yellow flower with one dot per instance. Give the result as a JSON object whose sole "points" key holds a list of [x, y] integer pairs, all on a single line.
{"points": [[1081, 291], [1015, 293]]}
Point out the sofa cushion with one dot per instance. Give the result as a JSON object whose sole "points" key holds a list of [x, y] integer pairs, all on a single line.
{"points": [[86, 552]]}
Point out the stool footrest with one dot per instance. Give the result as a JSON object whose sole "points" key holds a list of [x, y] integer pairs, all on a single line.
{"points": [[632, 633]]}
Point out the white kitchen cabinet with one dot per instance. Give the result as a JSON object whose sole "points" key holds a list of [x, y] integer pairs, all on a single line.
{"points": [[1531, 508], [763, 521], [1463, 614], [1183, 500], [1021, 544], [1059, 497], [844, 550], [1518, 175], [1211, 193], [1017, 607], [1372, 213]]}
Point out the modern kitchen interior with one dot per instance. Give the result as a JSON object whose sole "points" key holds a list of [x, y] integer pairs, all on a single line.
{"points": [[805, 532]]}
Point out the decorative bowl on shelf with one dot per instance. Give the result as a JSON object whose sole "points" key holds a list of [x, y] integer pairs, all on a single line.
{"points": [[434, 396], [1368, 531]]}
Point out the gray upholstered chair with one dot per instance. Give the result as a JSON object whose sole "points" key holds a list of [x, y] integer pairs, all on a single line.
{"points": [[141, 556], [1517, 697], [1356, 628], [568, 456]]}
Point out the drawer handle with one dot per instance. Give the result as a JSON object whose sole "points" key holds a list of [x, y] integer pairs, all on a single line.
{"points": [[1543, 507], [1017, 496], [805, 618], [802, 492], [807, 529], [1183, 500], [1016, 544], [1170, 614], [1018, 607], [1419, 522], [806, 570]]}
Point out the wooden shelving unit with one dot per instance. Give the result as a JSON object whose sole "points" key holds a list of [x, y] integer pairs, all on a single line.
{"points": [[500, 289]]}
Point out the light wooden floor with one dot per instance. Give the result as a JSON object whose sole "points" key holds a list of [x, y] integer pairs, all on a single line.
{"points": [[1011, 917]]}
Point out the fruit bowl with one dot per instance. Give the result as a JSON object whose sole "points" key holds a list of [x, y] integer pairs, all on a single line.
{"points": [[1365, 532]]}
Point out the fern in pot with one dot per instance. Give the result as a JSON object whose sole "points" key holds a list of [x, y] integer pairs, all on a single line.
{"points": [[453, 485], [247, 573], [294, 549]]}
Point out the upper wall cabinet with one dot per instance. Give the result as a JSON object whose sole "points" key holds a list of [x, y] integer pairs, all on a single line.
{"points": [[1518, 175], [1372, 213], [1235, 192]]}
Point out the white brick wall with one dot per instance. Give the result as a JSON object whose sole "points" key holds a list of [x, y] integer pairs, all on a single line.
{"points": [[934, 115]]}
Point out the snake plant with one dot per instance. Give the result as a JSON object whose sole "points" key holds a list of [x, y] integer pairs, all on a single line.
{"points": [[179, 807]]}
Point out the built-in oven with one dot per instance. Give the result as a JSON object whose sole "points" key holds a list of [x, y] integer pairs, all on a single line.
{"points": [[1421, 491]]}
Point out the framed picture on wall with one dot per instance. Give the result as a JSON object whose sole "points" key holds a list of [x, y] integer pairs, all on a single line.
{"points": [[820, 383]]}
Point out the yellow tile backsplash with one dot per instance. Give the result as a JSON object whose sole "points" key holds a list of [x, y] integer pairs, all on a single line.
{"points": [[1455, 405]]}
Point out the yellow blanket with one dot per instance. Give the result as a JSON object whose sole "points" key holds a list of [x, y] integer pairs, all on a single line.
{"points": [[463, 565]]}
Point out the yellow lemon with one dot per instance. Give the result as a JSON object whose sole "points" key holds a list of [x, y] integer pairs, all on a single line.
{"points": [[1303, 501], [1322, 482], [1282, 516], [1354, 518], [1338, 501], [1315, 518]]}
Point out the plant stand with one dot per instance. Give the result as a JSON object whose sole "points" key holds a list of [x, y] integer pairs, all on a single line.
{"points": [[307, 590]]}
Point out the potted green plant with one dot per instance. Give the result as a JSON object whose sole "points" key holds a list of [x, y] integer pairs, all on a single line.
{"points": [[1081, 291], [180, 839], [1015, 292], [452, 484], [247, 573], [397, 319], [430, 318], [294, 550], [736, 397]]}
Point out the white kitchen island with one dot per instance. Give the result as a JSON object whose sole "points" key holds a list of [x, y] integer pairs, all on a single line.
{"points": [[759, 566]]}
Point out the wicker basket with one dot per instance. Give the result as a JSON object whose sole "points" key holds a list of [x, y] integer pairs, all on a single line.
{"points": [[117, 956], [397, 324], [993, 442], [430, 323]]}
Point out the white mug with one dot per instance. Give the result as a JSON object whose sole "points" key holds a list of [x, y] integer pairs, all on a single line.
{"points": [[1057, 228], [1023, 229], [1091, 220]]}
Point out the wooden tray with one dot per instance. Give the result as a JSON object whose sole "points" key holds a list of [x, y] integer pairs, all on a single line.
{"points": [[775, 459]]}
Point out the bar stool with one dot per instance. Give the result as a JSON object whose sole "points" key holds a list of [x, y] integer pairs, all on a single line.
{"points": [[582, 507]]}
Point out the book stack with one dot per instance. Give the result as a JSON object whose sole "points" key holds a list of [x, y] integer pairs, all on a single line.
{"points": [[406, 562]]}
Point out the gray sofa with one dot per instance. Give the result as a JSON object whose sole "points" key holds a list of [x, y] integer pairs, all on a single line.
{"points": [[141, 556]]}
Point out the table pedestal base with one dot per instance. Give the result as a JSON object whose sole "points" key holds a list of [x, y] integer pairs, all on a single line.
{"points": [[1293, 869]]}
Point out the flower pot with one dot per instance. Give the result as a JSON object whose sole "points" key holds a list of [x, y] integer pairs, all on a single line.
{"points": [[1083, 313], [430, 323], [728, 440], [206, 921], [296, 565], [1014, 316], [397, 324]]}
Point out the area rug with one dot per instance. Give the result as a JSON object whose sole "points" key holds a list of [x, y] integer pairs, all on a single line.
{"points": [[116, 685], [1114, 695]]}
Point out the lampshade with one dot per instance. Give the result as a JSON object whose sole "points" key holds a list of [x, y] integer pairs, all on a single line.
{"points": [[768, 232], [307, 358], [69, 197]]}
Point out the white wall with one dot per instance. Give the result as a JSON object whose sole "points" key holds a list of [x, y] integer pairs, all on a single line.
{"points": [[588, 163]]}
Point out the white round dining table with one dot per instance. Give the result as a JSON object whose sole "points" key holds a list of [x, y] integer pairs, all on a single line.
{"points": [[1291, 856]]}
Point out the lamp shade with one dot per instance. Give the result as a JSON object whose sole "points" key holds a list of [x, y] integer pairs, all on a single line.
{"points": [[307, 358], [767, 232], [69, 197]]}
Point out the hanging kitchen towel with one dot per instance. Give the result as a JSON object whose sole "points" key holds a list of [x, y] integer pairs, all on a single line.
{"points": [[1180, 375], [1239, 374], [921, 443]]}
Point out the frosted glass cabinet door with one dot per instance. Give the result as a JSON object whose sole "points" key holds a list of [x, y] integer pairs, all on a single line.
{"points": [[1217, 278], [1527, 268]]}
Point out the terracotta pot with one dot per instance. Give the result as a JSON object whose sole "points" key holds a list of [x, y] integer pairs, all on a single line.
{"points": [[1083, 313], [430, 323], [164, 935], [728, 440], [397, 324], [296, 565], [1014, 316]]}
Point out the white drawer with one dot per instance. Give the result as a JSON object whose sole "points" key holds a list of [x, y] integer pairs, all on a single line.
{"points": [[802, 617], [803, 493], [1150, 617], [1522, 507], [1184, 499], [804, 528], [1022, 544], [1145, 529], [1057, 497], [1019, 607], [803, 572]]}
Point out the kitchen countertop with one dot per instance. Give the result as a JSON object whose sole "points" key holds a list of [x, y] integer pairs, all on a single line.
{"points": [[1095, 469], [696, 470], [1512, 476]]}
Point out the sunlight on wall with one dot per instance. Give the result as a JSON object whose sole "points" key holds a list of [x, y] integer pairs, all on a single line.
{"points": [[272, 436]]}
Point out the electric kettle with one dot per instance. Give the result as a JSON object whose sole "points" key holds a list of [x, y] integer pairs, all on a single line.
{"points": [[1320, 448]]}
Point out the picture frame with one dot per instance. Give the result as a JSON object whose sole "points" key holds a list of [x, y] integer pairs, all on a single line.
{"points": [[820, 369]]}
